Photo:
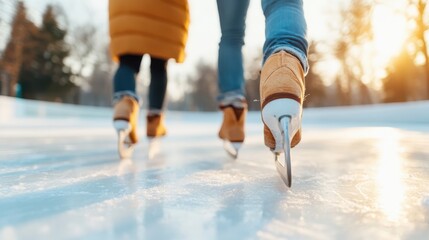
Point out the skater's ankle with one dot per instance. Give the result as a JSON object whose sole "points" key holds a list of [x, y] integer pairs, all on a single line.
{"points": [[234, 103], [118, 96], [155, 112], [232, 99]]}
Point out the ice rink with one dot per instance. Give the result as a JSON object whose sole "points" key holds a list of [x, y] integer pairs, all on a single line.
{"points": [[359, 173]]}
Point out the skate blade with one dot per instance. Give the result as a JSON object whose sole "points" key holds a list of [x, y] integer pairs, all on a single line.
{"points": [[125, 147], [154, 147], [126, 166], [283, 166], [232, 148]]}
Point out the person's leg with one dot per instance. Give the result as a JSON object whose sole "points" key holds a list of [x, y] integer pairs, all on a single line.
{"points": [[282, 86], [126, 103], [232, 15], [158, 85], [124, 81], [157, 91], [285, 29]]}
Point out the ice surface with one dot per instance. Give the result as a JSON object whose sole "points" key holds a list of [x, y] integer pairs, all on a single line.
{"points": [[425, 202], [60, 177]]}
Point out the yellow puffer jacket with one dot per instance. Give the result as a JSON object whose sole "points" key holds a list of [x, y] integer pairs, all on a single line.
{"points": [[155, 27]]}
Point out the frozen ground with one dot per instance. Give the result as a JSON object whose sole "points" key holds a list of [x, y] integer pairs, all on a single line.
{"points": [[360, 173]]}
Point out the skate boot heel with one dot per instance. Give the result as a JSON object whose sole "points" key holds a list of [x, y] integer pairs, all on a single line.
{"points": [[122, 125], [125, 121], [276, 111], [283, 118], [125, 146]]}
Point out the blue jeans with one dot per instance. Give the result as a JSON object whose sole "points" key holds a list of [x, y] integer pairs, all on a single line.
{"points": [[285, 29]]}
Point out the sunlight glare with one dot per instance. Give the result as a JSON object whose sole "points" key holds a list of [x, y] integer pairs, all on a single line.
{"points": [[389, 175], [390, 33]]}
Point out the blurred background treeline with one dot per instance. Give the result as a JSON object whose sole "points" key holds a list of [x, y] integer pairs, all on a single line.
{"points": [[377, 52]]}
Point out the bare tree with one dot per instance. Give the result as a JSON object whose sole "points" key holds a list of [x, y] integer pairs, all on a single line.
{"points": [[416, 13], [2, 13], [355, 30], [252, 76], [315, 89], [98, 87], [6, 11], [402, 73], [421, 23], [100, 82], [84, 49], [204, 88]]}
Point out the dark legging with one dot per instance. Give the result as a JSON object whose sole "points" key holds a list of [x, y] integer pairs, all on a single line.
{"points": [[124, 80]]}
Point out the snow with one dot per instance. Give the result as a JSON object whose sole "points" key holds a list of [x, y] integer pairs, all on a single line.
{"points": [[359, 173]]}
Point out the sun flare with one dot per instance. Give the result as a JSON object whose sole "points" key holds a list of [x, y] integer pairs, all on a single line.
{"points": [[390, 33], [391, 188]]}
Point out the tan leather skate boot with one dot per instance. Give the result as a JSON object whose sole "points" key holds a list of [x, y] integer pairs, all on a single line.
{"points": [[125, 117], [282, 94], [155, 126], [234, 118]]}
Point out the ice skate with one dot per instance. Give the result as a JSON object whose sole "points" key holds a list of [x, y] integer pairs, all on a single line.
{"points": [[282, 94], [155, 126], [155, 129], [232, 129], [125, 120]]}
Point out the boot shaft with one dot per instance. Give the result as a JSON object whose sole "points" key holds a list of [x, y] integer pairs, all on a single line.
{"points": [[282, 77], [126, 109], [233, 123], [155, 126]]}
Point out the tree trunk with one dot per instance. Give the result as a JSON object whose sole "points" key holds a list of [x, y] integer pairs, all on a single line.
{"points": [[426, 56], [421, 35]]}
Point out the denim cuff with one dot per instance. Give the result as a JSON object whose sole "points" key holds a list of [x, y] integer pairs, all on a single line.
{"points": [[154, 112], [230, 97], [302, 57], [119, 95]]}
